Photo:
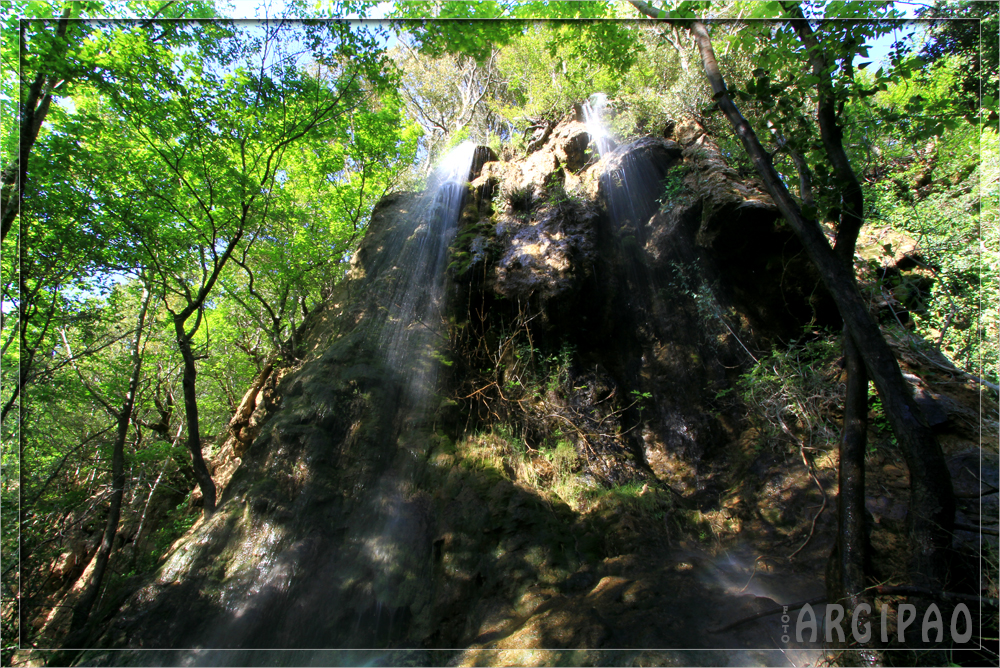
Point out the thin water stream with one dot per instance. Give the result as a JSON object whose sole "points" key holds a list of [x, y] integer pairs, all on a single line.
{"points": [[388, 528], [594, 111], [412, 328], [632, 177], [355, 535]]}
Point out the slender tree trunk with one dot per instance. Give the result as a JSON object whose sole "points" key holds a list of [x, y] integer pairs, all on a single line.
{"points": [[801, 166], [180, 318], [22, 378], [201, 472], [851, 551], [932, 502], [852, 535], [36, 107], [81, 612], [9, 196], [28, 349]]}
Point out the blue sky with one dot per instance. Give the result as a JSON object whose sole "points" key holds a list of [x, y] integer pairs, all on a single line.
{"points": [[879, 49]]}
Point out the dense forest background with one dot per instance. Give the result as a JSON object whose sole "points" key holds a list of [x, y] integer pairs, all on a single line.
{"points": [[180, 194]]}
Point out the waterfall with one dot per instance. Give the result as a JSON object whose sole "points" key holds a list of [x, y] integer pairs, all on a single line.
{"points": [[387, 525], [412, 325], [593, 114], [375, 510], [633, 178]]}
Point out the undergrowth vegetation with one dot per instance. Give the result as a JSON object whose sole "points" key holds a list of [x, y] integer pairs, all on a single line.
{"points": [[950, 243], [795, 394], [538, 420], [554, 471]]}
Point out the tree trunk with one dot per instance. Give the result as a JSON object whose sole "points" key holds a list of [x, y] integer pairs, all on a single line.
{"points": [[932, 502], [35, 108], [201, 473], [81, 612], [9, 196], [847, 579], [801, 166], [852, 535]]}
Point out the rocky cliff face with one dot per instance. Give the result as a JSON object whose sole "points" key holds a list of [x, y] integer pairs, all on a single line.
{"points": [[548, 484]]}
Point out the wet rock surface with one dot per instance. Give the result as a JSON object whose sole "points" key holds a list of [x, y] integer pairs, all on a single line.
{"points": [[596, 310]]}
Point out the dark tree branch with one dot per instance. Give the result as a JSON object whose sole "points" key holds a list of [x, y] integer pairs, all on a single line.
{"points": [[33, 112]]}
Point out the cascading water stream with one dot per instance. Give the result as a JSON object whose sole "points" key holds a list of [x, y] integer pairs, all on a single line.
{"points": [[632, 182], [369, 540], [358, 578], [593, 114], [408, 338]]}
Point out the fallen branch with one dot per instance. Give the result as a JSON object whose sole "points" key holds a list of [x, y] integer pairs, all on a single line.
{"points": [[949, 596], [956, 371], [802, 453]]}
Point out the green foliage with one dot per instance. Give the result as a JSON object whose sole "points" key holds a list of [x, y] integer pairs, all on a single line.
{"points": [[500, 452], [167, 142], [469, 247], [535, 69], [646, 501], [441, 358], [934, 193], [926, 105], [556, 368], [968, 32], [529, 61], [66, 63], [467, 33], [519, 199], [673, 186], [878, 419], [175, 525], [640, 400], [445, 98], [556, 196], [711, 313], [321, 204], [561, 453], [794, 394]]}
